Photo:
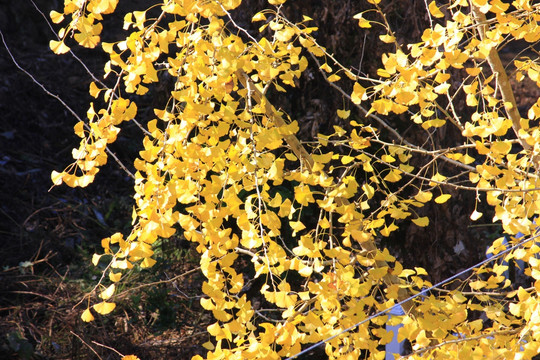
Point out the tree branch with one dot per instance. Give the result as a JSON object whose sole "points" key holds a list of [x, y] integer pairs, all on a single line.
{"points": [[302, 154], [498, 70]]}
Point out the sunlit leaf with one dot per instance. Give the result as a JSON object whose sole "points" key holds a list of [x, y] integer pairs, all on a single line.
{"points": [[393, 176], [87, 316], [56, 17], [368, 190], [115, 277], [334, 78], [95, 259], [130, 357], [108, 292], [94, 90], [58, 47], [387, 38], [362, 22], [104, 308], [57, 177], [358, 94], [258, 17], [434, 10], [423, 196], [476, 215]]}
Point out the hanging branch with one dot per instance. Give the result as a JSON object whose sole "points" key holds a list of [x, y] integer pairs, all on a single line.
{"points": [[497, 68], [302, 154]]}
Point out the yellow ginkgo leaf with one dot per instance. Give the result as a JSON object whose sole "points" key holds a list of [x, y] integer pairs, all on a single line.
{"points": [[358, 94], [433, 123], [305, 271], [344, 114], [476, 215], [368, 190], [104, 307], [291, 157], [388, 229], [297, 226], [326, 67], [467, 159], [393, 176], [129, 357], [362, 22], [115, 277], [422, 222], [57, 177], [95, 259], [423, 196], [434, 10], [334, 78], [437, 179], [58, 47], [346, 159], [276, 201], [87, 316], [473, 71], [94, 90], [324, 223], [258, 17], [208, 346], [387, 38], [108, 292], [441, 199], [56, 17]]}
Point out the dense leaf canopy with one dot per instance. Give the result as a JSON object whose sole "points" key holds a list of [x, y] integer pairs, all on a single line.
{"points": [[301, 219]]}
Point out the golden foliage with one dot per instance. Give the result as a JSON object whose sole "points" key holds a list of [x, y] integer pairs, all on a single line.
{"points": [[218, 150]]}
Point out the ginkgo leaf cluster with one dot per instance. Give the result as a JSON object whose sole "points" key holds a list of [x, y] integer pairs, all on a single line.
{"points": [[217, 155]]}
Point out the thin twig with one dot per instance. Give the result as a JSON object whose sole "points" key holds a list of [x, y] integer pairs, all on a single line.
{"points": [[107, 347], [32, 293], [45, 259], [249, 105], [482, 293], [456, 186], [457, 341], [36, 81], [189, 272], [255, 42], [84, 342]]}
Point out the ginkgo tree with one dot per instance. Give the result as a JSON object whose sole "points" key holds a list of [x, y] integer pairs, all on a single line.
{"points": [[223, 166]]}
